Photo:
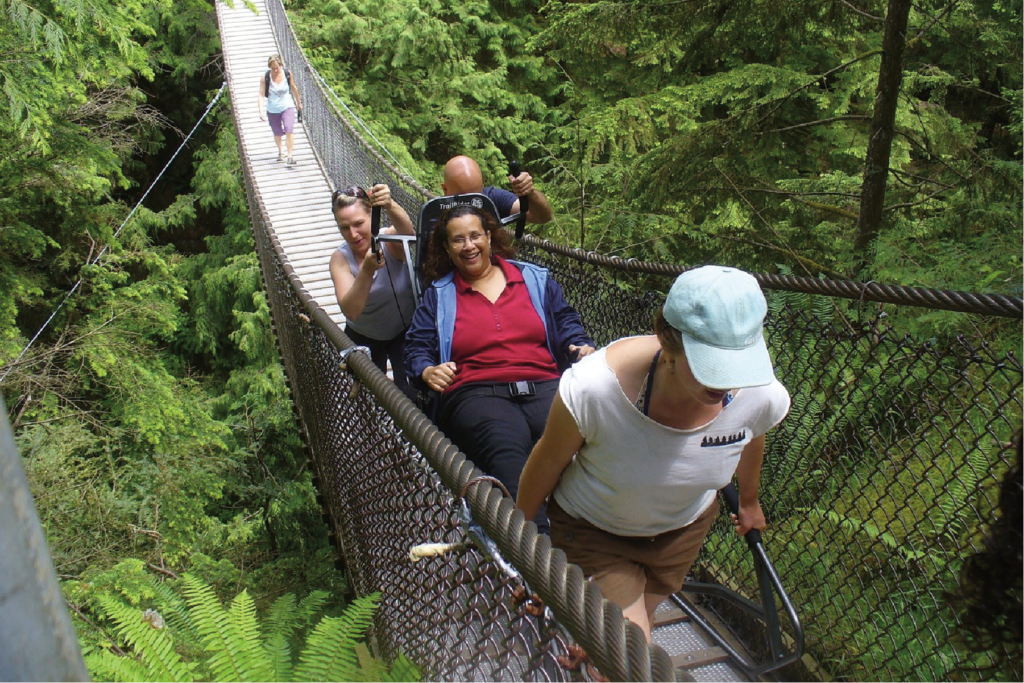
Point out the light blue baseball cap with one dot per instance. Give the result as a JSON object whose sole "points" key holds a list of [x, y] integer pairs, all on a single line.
{"points": [[720, 313]]}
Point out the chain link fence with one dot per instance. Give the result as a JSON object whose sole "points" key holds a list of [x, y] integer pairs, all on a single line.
{"points": [[877, 485]]}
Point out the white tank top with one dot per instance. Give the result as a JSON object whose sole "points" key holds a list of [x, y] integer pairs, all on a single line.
{"points": [[280, 98]]}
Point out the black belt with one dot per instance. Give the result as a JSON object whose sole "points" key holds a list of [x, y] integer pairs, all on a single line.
{"points": [[506, 389]]}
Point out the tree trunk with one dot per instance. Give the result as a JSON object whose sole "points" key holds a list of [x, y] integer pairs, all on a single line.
{"points": [[876, 165]]}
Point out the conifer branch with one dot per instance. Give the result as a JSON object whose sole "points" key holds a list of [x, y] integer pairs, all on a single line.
{"points": [[807, 263], [861, 12], [789, 193], [949, 8], [898, 173], [113, 645], [817, 79], [828, 208], [848, 117], [771, 227], [166, 572]]}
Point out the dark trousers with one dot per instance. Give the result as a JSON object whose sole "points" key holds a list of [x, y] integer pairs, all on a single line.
{"points": [[383, 350], [497, 430]]}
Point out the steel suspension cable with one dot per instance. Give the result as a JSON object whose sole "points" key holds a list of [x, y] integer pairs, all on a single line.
{"points": [[355, 117], [94, 261]]}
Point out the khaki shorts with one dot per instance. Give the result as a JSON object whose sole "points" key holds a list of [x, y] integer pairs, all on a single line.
{"points": [[627, 567]]}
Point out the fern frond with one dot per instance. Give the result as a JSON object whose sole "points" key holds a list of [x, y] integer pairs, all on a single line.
{"points": [[279, 653], [402, 670], [282, 616], [154, 646], [310, 605], [174, 609], [962, 488], [255, 657], [329, 654], [106, 666], [281, 621], [217, 632]]}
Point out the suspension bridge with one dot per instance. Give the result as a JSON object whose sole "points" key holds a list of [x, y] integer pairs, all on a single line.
{"points": [[850, 586], [389, 480]]}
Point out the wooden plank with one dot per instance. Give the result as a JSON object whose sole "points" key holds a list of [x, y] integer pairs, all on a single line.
{"points": [[696, 658], [320, 239], [311, 275], [669, 616], [286, 225]]}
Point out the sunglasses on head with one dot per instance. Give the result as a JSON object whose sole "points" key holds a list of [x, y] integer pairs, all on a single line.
{"points": [[354, 192]]}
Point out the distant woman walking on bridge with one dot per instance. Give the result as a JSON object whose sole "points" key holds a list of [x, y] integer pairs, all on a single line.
{"points": [[375, 293], [282, 101], [643, 434]]}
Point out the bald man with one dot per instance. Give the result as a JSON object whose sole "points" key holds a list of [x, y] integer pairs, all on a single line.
{"points": [[462, 175]]}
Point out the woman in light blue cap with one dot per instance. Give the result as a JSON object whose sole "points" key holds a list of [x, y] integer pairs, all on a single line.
{"points": [[644, 432]]}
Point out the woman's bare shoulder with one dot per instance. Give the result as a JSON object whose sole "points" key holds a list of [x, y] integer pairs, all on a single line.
{"points": [[630, 359], [630, 350]]}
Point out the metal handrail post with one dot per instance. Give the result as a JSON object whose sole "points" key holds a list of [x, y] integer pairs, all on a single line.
{"points": [[37, 640]]}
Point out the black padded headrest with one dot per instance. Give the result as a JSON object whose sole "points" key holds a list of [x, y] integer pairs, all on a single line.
{"points": [[432, 210]]}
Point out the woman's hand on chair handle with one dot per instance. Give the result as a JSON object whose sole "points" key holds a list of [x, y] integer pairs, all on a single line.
{"points": [[750, 517]]}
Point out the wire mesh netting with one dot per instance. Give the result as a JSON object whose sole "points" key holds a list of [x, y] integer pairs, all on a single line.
{"points": [[877, 485]]}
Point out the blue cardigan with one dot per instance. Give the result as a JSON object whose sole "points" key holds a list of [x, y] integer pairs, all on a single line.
{"points": [[429, 338]]}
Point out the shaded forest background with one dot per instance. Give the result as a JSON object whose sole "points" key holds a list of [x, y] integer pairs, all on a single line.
{"points": [[153, 415]]}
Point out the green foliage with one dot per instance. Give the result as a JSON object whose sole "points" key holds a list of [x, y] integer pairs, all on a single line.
{"points": [[713, 131], [231, 637], [446, 77], [157, 660], [229, 644], [153, 415], [748, 123]]}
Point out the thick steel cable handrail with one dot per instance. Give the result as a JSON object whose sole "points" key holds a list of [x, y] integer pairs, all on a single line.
{"points": [[1000, 305], [618, 647], [949, 300]]}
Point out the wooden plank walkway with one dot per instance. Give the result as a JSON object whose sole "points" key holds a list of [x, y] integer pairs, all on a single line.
{"points": [[297, 198]]}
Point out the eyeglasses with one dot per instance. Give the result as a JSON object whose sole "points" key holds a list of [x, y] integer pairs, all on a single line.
{"points": [[461, 240], [340, 198]]}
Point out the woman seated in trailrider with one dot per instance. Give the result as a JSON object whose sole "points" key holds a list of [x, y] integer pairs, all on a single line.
{"points": [[491, 336]]}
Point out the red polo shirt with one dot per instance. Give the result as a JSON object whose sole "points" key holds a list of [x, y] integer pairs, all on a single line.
{"points": [[500, 342]]}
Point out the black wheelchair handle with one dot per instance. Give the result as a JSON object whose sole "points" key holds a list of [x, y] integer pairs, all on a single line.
{"points": [[375, 228], [732, 501], [524, 202]]}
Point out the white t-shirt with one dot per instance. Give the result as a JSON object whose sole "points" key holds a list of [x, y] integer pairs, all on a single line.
{"points": [[636, 477]]}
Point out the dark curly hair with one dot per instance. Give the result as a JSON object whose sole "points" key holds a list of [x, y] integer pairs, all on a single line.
{"points": [[437, 263], [990, 599]]}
